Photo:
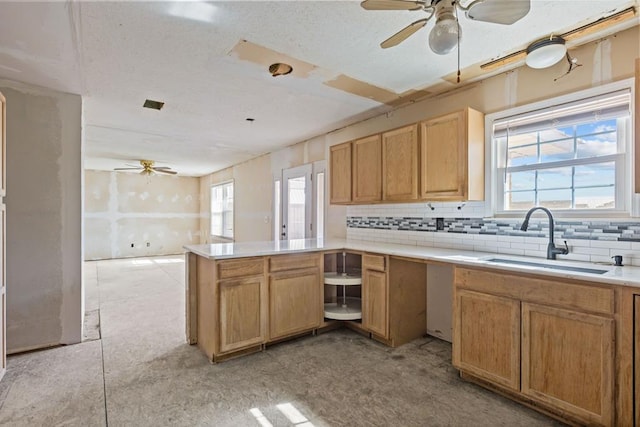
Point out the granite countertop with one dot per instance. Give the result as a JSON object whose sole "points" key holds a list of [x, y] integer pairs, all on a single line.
{"points": [[624, 276]]}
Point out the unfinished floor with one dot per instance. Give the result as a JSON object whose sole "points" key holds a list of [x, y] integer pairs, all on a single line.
{"points": [[141, 372]]}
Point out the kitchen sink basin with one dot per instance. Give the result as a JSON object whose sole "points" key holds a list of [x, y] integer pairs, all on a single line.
{"points": [[549, 266]]}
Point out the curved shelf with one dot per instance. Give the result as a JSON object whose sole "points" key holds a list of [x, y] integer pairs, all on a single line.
{"points": [[342, 280], [335, 310]]}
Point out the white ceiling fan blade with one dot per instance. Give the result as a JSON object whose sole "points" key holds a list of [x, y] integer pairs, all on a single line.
{"points": [[126, 169], [504, 12], [161, 167], [165, 171], [392, 5], [403, 34]]}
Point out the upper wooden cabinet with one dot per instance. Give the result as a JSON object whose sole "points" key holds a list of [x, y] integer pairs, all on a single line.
{"points": [[340, 170], [367, 169], [400, 164], [452, 156]]}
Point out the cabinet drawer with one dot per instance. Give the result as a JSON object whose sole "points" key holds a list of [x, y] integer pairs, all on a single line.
{"points": [[374, 262], [294, 262], [240, 268], [584, 297]]}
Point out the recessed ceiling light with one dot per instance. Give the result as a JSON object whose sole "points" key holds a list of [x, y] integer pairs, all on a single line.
{"points": [[154, 105]]}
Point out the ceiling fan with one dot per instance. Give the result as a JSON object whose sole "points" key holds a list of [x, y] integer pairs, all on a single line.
{"points": [[147, 168], [445, 35]]}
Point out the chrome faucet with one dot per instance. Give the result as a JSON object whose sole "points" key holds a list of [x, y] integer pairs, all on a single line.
{"points": [[552, 251]]}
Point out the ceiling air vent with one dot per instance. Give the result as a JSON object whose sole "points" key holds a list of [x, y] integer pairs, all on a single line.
{"points": [[154, 105]]}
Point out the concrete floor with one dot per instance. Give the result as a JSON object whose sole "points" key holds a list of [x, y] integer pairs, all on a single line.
{"points": [[138, 371]]}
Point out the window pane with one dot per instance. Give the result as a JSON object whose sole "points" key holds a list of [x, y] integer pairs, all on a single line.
{"points": [[554, 178], [276, 210], [524, 139], [596, 127], [556, 134], [521, 200], [222, 210], [216, 224], [555, 199], [320, 205], [597, 145], [525, 155], [599, 174], [521, 181], [296, 209], [556, 151], [595, 198]]}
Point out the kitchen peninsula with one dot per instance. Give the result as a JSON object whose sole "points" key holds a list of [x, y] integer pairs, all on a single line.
{"points": [[517, 328]]}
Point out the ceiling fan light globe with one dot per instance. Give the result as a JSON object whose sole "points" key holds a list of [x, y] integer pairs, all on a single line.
{"points": [[545, 53], [444, 36]]}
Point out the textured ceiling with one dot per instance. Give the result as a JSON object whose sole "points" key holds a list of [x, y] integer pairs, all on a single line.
{"points": [[117, 54]]}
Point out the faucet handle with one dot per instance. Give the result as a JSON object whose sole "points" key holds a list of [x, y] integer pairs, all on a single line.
{"points": [[565, 250]]}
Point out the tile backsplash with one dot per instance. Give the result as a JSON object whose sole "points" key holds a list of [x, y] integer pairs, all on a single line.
{"points": [[465, 229]]}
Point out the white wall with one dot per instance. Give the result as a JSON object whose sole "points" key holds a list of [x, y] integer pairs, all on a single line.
{"points": [[602, 61], [44, 217], [156, 214]]}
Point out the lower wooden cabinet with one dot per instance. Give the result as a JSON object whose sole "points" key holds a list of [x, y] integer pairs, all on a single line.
{"points": [[294, 302], [487, 337], [241, 313], [636, 361], [567, 361], [375, 317], [538, 346]]}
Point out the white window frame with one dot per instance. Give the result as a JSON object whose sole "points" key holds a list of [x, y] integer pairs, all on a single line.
{"points": [[233, 213], [628, 203]]}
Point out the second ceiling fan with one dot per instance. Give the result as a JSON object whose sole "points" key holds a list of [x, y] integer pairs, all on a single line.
{"points": [[445, 35]]}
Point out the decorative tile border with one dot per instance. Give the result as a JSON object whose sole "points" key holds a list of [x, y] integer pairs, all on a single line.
{"points": [[623, 231]]}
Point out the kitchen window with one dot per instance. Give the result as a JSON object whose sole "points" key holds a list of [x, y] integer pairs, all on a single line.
{"points": [[571, 156], [222, 210]]}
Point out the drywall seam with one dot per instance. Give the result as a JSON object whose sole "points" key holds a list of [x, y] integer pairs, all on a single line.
{"points": [[511, 89], [112, 212], [602, 72]]}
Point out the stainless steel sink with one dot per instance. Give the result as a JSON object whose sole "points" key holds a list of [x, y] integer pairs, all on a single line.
{"points": [[549, 266]]}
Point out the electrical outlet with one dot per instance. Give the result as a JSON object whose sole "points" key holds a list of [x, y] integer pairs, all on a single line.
{"points": [[439, 223], [148, 244], [132, 245]]}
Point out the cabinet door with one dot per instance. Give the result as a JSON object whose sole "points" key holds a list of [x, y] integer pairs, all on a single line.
{"points": [[367, 169], [636, 358], [567, 361], [375, 316], [294, 302], [400, 164], [340, 170], [486, 337], [443, 157], [3, 276], [241, 313]]}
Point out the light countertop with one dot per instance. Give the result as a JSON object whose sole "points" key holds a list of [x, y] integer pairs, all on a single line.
{"points": [[624, 276]]}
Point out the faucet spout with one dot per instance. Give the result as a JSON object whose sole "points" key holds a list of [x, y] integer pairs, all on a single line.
{"points": [[552, 250]]}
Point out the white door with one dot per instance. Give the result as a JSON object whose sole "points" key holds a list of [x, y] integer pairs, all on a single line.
{"points": [[3, 211], [297, 212]]}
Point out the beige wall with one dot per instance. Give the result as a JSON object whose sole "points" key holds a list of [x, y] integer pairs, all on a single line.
{"points": [[603, 61], [44, 217], [128, 208]]}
